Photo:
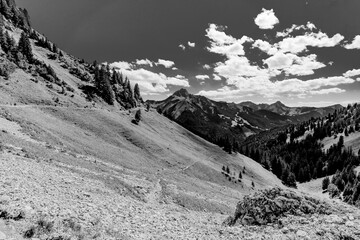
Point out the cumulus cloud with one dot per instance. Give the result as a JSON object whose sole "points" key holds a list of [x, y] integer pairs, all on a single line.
{"points": [[238, 67], [266, 19], [121, 65], [202, 77], [300, 43], [355, 44], [224, 44], [206, 66], [191, 44], [294, 28], [265, 47], [216, 77], [264, 87], [327, 91], [287, 56], [352, 73], [144, 62], [150, 83], [165, 63], [182, 46], [292, 64]]}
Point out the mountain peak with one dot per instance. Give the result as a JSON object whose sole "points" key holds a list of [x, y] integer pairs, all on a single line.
{"points": [[181, 93], [278, 103]]}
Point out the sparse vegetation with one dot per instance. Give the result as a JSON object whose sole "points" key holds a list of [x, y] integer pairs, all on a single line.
{"points": [[137, 118]]}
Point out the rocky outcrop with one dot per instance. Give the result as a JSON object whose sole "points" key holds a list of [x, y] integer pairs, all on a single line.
{"points": [[268, 206]]}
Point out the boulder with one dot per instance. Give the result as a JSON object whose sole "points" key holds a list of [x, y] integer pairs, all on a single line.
{"points": [[269, 205]]}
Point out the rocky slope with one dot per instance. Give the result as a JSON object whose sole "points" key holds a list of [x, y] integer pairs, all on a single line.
{"points": [[74, 167]]}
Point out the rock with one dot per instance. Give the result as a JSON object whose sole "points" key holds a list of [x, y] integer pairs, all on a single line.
{"points": [[350, 224], [285, 230], [268, 206], [2, 236], [301, 233]]}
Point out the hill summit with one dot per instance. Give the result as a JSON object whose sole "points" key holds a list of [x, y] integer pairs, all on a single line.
{"points": [[181, 93]]}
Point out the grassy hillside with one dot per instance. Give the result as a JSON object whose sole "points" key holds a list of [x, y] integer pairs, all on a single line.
{"points": [[155, 162]]}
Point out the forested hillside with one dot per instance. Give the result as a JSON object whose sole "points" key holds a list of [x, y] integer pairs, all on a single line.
{"points": [[296, 153], [23, 48]]}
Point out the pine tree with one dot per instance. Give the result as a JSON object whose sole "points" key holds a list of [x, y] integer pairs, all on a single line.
{"points": [[138, 116], [5, 9], [240, 175], [25, 47], [55, 49], [2, 38], [10, 43], [102, 83], [137, 92]]}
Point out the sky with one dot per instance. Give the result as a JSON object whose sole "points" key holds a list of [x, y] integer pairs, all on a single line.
{"points": [[299, 52]]}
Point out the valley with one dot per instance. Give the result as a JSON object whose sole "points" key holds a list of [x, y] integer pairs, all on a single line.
{"points": [[83, 156]]}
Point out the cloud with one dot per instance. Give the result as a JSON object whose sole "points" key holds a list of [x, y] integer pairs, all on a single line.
{"points": [[182, 46], [121, 65], [216, 77], [263, 87], [165, 63], [327, 91], [202, 77], [206, 66], [288, 57], [150, 83], [223, 44], [238, 67], [355, 43], [295, 28], [191, 44], [144, 62], [352, 73], [300, 43], [266, 19], [292, 64], [265, 47], [174, 68]]}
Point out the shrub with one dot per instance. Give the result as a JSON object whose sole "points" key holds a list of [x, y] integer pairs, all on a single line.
{"points": [[137, 117], [325, 183]]}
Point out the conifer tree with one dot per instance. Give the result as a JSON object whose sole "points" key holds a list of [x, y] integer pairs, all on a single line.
{"points": [[137, 92], [25, 47], [138, 116], [9, 42], [2, 38], [102, 83], [5, 9]]}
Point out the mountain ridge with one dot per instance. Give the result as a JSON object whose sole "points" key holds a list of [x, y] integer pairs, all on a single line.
{"points": [[75, 165], [226, 123]]}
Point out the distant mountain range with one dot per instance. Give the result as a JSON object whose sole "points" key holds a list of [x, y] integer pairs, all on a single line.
{"points": [[213, 120]]}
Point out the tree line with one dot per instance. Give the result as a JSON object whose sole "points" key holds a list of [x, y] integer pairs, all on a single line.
{"points": [[296, 154]]}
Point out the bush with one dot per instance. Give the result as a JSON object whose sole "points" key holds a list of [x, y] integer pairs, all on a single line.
{"points": [[137, 117], [325, 183]]}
